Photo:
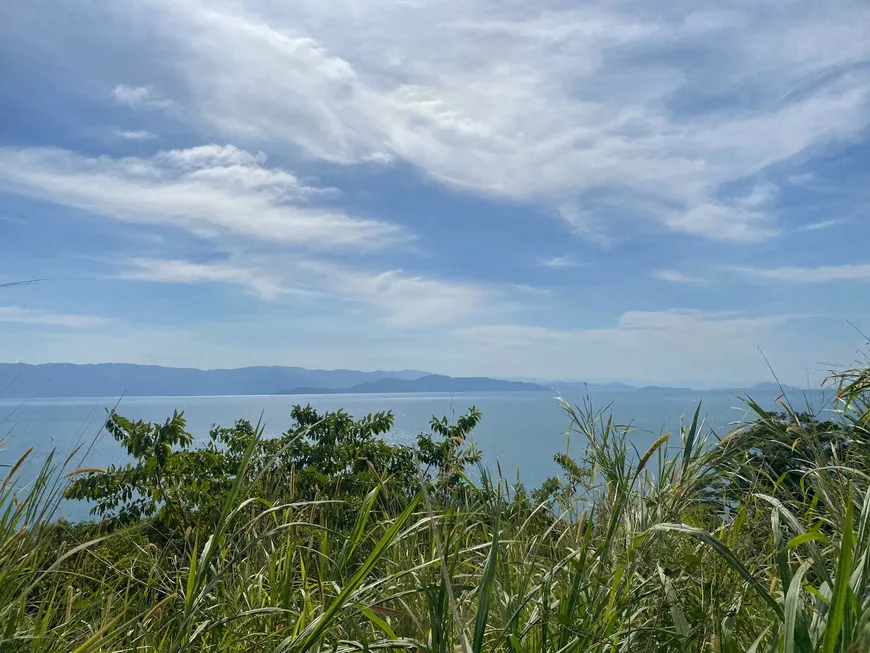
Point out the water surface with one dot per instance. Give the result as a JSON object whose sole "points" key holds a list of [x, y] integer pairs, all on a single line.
{"points": [[519, 429]]}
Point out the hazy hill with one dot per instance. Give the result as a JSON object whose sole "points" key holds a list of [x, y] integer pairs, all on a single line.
{"points": [[660, 388], [769, 386], [428, 383], [117, 379], [581, 388], [18, 380], [574, 388]]}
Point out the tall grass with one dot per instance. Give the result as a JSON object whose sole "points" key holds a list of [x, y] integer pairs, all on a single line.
{"points": [[692, 545]]}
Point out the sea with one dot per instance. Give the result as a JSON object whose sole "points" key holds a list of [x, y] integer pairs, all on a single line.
{"points": [[519, 434]]}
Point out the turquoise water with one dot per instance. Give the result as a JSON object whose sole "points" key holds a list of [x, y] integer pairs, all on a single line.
{"points": [[519, 430]]}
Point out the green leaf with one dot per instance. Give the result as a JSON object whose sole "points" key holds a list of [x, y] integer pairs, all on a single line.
{"points": [[792, 609], [485, 591], [814, 536], [378, 621], [308, 637], [677, 615], [688, 446], [356, 535], [836, 613], [728, 555], [757, 642]]}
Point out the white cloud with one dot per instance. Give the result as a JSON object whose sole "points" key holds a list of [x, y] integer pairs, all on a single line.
{"points": [[139, 96], [210, 190], [723, 221], [567, 261], [633, 327], [653, 345], [132, 95], [187, 272], [408, 301], [19, 315], [586, 223], [673, 276], [401, 300], [824, 224], [541, 102], [679, 321], [134, 134], [821, 274]]}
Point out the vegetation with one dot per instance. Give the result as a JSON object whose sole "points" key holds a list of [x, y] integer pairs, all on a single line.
{"points": [[328, 538]]}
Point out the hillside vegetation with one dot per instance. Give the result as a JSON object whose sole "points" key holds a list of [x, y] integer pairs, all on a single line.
{"points": [[327, 538]]}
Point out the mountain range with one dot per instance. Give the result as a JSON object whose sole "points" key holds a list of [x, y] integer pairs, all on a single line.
{"points": [[575, 387], [20, 380], [121, 379], [431, 383]]}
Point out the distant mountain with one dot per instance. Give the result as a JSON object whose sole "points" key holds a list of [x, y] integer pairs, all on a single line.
{"points": [[613, 386], [117, 379], [769, 386], [18, 380], [575, 387], [659, 388], [428, 383]]}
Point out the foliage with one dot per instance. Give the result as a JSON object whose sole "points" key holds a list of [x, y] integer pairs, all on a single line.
{"points": [[784, 446], [152, 484], [328, 538], [320, 455]]}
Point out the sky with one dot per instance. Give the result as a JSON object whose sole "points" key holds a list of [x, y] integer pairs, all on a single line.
{"points": [[655, 191]]}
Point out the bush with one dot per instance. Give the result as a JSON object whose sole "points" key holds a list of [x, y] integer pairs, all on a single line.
{"points": [[328, 538]]}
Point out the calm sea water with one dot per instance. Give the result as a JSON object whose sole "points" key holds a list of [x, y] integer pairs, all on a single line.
{"points": [[519, 430]]}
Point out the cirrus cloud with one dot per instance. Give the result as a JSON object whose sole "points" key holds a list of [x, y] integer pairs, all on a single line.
{"points": [[642, 345], [590, 106], [403, 301], [820, 274], [21, 315], [674, 276], [210, 190]]}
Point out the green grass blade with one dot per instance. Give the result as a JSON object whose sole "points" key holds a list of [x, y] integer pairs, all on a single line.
{"points": [[728, 555], [757, 642], [681, 624], [379, 622], [485, 591], [356, 535], [689, 445], [816, 553], [837, 611], [191, 575], [792, 609], [308, 637]]}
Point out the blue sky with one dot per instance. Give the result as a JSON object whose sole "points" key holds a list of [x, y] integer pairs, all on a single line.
{"points": [[634, 190]]}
